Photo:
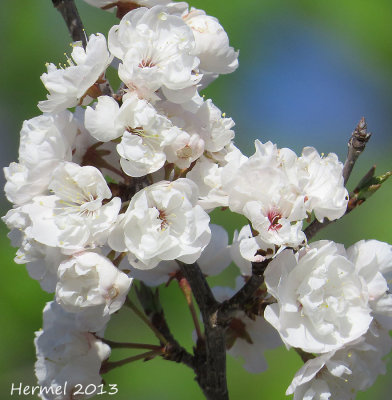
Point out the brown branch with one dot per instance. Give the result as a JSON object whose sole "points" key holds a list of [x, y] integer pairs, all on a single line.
{"points": [[210, 354], [70, 14], [173, 351], [244, 295], [356, 145], [313, 228]]}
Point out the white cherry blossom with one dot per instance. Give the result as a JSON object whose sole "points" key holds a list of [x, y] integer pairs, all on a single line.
{"points": [[188, 145], [142, 148], [92, 287], [144, 132], [212, 43], [41, 261], [203, 129], [261, 189], [213, 260], [45, 141], [109, 121], [74, 216], [71, 85], [373, 262], [156, 52], [324, 191], [276, 190], [104, 122], [207, 175], [341, 374], [185, 149], [213, 127], [247, 248], [163, 222], [66, 355], [322, 303]]}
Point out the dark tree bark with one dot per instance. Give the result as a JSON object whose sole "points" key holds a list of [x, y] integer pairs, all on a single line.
{"points": [[69, 12]]}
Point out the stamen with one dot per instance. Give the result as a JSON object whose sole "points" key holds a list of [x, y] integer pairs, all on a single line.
{"points": [[163, 218], [274, 216], [148, 63]]}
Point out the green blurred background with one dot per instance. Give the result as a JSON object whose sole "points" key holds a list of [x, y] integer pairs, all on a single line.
{"points": [[309, 70]]}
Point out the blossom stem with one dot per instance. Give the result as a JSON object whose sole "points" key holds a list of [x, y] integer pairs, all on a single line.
{"points": [[117, 261], [187, 291], [305, 357], [108, 366], [128, 345], [70, 14], [143, 317]]}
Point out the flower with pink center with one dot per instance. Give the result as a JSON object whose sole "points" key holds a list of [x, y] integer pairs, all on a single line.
{"points": [[162, 222]]}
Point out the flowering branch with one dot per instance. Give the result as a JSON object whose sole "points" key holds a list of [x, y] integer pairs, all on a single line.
{"points": [[134, 174], [69, 12]]}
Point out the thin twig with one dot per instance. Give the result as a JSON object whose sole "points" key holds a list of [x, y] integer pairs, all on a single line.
{"points": [[356, 146], [70, 14], [195, 320], [187, 291], [128, 345], [109, 365], [146, 320], [370, 183], [153, 310]]}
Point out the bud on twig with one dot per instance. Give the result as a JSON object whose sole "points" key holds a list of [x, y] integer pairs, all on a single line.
{"points": [[356, 145]]}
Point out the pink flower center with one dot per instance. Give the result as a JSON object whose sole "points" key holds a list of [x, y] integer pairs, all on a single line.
{"points": [[274, 216], [163, 218], [146, 63]]}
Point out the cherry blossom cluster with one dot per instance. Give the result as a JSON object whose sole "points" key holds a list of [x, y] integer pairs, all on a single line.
{"points": [[116, 185]]}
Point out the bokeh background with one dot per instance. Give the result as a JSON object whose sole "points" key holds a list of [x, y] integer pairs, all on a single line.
{"points": [[309, 70]]}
